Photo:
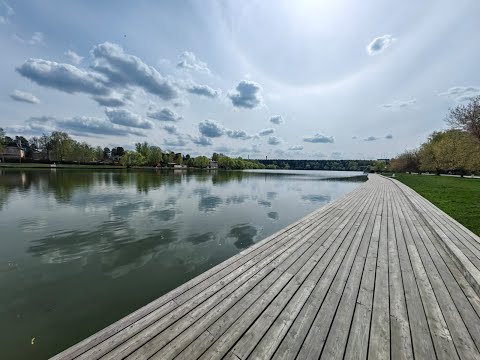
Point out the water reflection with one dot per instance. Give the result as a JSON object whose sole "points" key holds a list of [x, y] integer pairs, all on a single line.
{"points": [[126, 238], [244, 234]]}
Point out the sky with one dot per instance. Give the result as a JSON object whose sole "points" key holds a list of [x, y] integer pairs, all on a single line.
{"points": [[304, 79]]}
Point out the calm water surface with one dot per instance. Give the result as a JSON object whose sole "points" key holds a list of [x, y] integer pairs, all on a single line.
{"points": [[81, 249]]}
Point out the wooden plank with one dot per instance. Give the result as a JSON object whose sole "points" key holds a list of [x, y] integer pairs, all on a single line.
{"points": [[379, 342], [400, 334], [441, 338], [230, 306], [317, 334], [271, 340], [441, 282], [358, 290], [421, 338], [293, 340]]}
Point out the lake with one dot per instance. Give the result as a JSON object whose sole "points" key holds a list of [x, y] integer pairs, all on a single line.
{"points": [[80, 249]]}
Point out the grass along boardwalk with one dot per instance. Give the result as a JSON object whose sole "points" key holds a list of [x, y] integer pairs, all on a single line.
{"points": [[381, 273]]}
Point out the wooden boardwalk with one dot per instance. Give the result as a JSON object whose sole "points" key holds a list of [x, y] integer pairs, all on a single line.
{"points": [[380, 273]]}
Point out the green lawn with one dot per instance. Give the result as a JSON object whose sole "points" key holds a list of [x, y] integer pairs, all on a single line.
{"points": [[459, 198]]}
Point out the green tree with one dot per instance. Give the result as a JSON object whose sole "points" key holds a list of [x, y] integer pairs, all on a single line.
{"points": [[178, 158], [61, 145], [132, 158], [154, 156], [201, 162], [142, 148], [106, 153]]}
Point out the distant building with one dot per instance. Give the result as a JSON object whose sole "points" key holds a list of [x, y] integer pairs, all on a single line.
{"points": [[213, 165], [13, 152], [180, 166], [387, 161]]}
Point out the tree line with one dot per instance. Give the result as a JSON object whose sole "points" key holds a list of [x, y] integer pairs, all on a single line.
{"points": [[338, 165], [60, 147], [455, 150]]}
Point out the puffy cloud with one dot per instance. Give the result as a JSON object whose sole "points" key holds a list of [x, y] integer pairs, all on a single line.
{"points": [[109, 101], [171, 129], [389, 136], [371, 138], [79, 125], [95, 126], [379, 44], [127, 118], [203, 90], [238, 134], [164, 114], [296, 148], [319, 138], [265, 132], [461, 93], [247, 95], [354, 137], [179, 141], [63, 77], [277, 120], [73, 57], [211, 129], [6, 12], [399, 104], [201, 140], [274, 140], [189, 61], [21, 96], [123, 69]]}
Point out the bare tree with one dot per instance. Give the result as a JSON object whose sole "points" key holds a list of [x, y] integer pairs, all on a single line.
{"points": [[466, 117]]}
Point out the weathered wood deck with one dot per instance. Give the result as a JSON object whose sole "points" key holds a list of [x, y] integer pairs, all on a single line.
{"points": [[380, 273]]}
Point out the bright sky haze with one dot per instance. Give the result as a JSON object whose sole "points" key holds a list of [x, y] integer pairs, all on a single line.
{"points": [[298, 79]]}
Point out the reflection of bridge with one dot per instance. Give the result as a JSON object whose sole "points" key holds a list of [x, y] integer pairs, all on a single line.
{"points": [[379, 273]]}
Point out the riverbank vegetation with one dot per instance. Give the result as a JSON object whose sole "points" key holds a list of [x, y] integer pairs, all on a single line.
{"points": [[455, 150], [456, 196]]}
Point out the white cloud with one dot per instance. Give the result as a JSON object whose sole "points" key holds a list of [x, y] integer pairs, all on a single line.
{"points": [[211, 129], [277, 119], [203, 90], [371, 138], [127, 118], [201, 140], [398, 104], [379, 44], [73, 57], [246, 95], [319, 138], [265, 132], [189, 61], [238, 134], [122, 69], [296, 148], [164, 114], [171, 129], [21, 96], [461, 93], [274, 140], [63, 77]]}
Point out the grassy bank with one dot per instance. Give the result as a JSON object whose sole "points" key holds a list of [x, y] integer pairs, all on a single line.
{"points": [[458, 197]]}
